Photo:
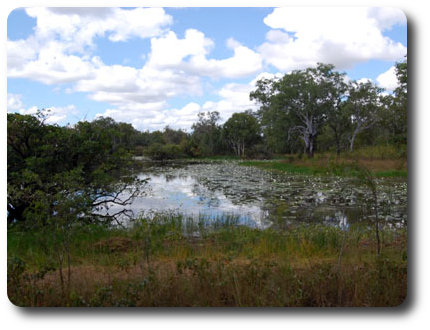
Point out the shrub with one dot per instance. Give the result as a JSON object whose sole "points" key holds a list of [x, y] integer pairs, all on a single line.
{"points": [[158, 151], [259, 151]]}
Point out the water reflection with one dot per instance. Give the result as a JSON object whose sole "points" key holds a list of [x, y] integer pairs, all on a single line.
{"points": [[262, 198], [167, 193]]}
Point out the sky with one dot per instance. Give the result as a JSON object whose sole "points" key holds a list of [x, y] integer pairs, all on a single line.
{"points": [[158, 67]]}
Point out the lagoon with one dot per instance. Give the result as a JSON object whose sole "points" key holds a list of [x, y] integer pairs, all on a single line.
{"points": [[218, 190]]}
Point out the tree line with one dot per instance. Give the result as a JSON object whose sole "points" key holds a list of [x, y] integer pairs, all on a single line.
{"points": [[320, 105], [305, 111]]}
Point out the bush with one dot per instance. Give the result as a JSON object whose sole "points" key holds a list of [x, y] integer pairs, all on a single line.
{"points": [[158, 151], [380, 152], [139, 151], [259, 151]]}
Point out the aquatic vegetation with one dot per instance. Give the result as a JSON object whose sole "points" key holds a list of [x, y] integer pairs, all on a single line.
{"points": [[265, 198]]}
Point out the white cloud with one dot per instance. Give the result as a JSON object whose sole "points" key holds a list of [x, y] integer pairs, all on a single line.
{"points": [[61, 48], [14, 101], [52, 66], [122, 85], [174, 66], [61, 114], [232, 43], [77, 27], [234, 97], [244, 62], [155, 116], [341, 36], [114, 78], [169, 51], [388, 79], [55, 115], [364, 80], [385, 18], [19, 53], [190, 56], [63, 38]]}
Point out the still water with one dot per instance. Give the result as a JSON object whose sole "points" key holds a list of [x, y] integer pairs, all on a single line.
{"points": [[262, 198]]}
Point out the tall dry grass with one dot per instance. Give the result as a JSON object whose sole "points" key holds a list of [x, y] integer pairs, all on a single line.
{"points": [[172, 262]]}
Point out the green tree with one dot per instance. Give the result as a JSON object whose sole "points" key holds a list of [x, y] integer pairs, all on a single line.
{"points": [[51, 166], [273, 119], [401, 102], [337, 118], [299, 102], [396, 107], [172, 136], [206, 133], [241, 131], [61, 177], [363, 106]]}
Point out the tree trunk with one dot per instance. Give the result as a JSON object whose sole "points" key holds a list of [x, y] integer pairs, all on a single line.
{"points": [[60, 271], [310, 145], [354, 135], [311, 148], [337, 139], [306, 139], [310, 134]]}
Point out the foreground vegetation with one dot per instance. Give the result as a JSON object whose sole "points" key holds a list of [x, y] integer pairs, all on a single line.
{"points": [[169, 261]]}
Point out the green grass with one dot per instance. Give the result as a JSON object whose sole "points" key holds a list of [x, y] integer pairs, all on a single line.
{"points": [[163, 263], [392, 174], [316, 168], [215, 158]]}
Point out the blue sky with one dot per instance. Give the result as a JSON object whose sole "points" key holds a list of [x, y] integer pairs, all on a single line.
{"points": [[154, 67]]}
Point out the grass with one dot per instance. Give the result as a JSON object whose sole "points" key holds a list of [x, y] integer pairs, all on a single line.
{"points": [[217, 158], [382, 161], [337, 168], [169, 261]]}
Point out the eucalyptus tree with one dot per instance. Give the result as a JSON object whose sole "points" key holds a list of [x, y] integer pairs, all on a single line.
{"points": [[401, 100], [241, 131], [172, 136], [398, 110], [302, 100], [274, 121], [337, 118], [206, 132], [402, 78], [363, 106]]}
